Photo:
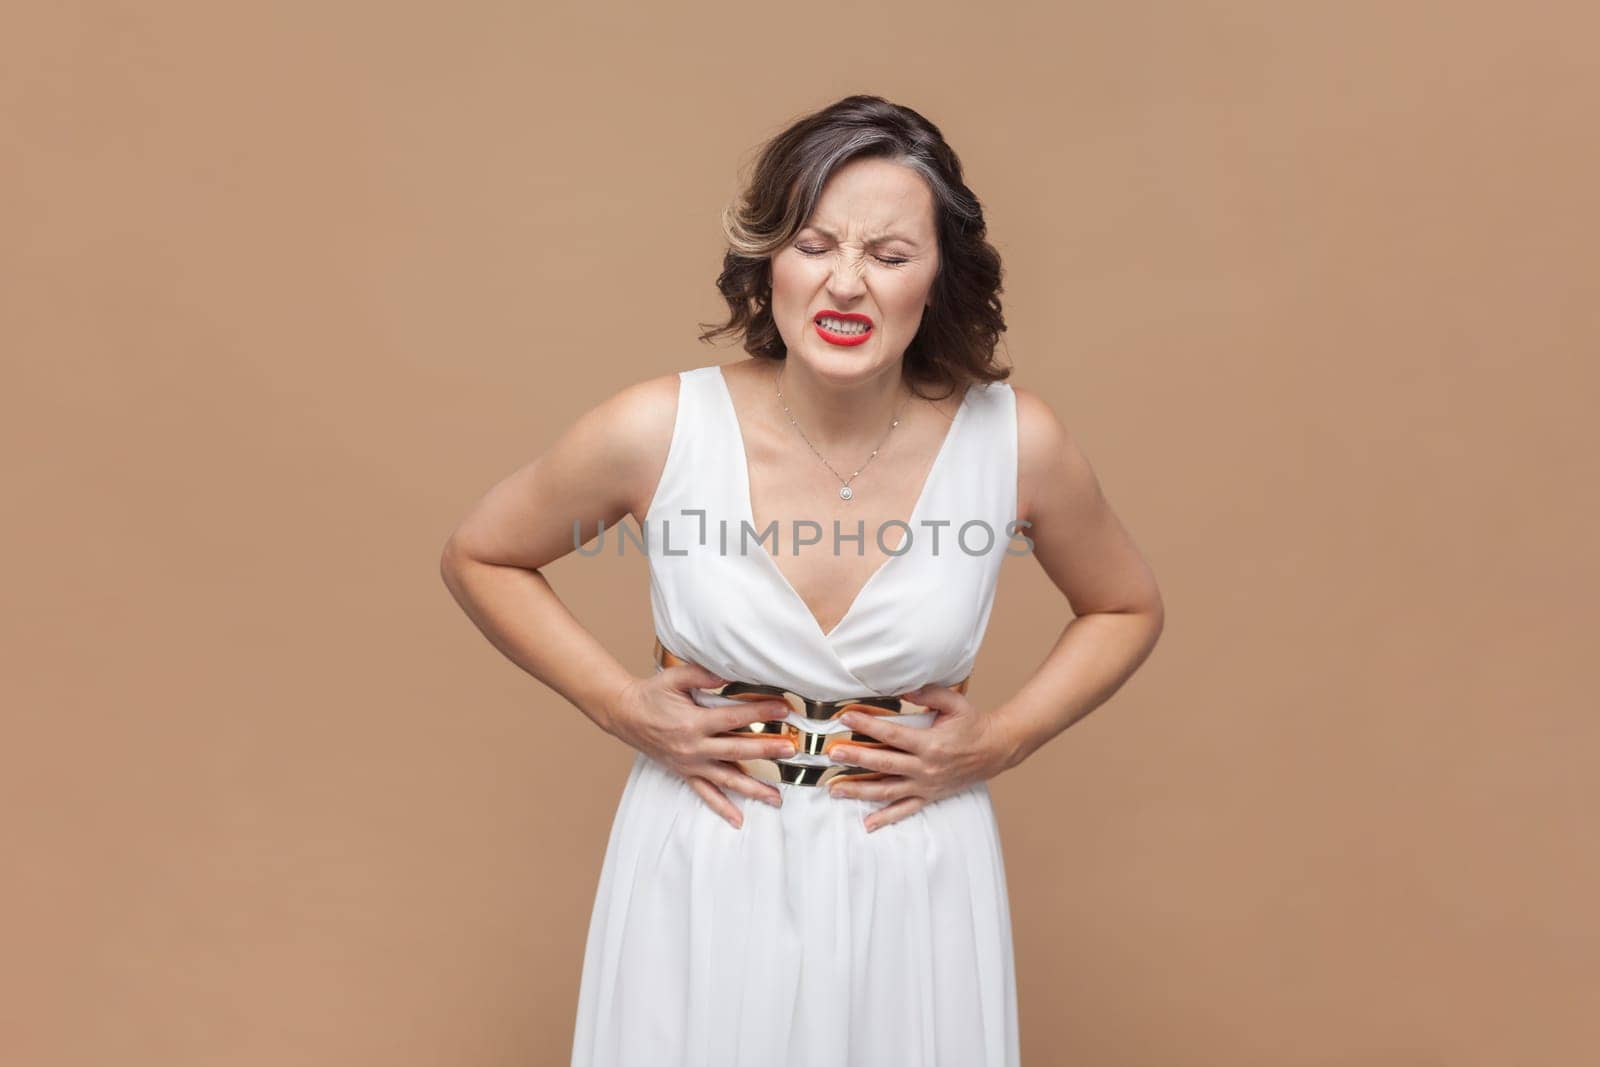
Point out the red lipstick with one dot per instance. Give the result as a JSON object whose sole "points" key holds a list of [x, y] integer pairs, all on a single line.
{"points": [[843, 339]]}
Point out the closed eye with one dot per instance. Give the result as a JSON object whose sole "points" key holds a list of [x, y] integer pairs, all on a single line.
{"points": [[891, 261]]}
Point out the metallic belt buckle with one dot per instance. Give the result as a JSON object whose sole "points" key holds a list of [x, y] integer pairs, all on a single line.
{"points": [[809, 742]]}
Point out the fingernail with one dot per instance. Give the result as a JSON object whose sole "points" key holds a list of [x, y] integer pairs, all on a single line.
{"points": [[850, 718], [841, 752], [776, 802]]}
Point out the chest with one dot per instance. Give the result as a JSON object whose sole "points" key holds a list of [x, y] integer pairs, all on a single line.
{"points": [[760, 569]]}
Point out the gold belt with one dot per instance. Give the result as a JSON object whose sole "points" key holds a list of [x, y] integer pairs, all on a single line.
{"points": [[811, 742]]}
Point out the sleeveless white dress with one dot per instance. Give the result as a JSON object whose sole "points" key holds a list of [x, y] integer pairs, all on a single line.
{"points": [[800, 939]]}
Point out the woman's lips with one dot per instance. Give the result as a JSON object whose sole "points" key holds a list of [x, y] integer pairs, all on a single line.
{"points": [[844, 340]]}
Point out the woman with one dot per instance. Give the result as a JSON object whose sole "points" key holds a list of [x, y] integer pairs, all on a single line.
{"points": [[804, 868]]}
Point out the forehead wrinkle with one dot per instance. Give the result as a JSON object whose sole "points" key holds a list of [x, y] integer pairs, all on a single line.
{"points": [[880, 239]]}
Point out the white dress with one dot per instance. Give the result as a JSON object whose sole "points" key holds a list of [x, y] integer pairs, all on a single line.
{"points": [[800, 939]]}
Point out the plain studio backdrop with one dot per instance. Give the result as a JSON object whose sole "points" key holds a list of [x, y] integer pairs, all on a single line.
{"points": [[287, 286]]}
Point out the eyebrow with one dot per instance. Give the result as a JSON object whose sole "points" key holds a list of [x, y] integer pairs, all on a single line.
{"points": [[875, 240]]}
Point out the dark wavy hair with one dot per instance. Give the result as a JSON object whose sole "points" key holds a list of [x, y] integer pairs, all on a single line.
{"points": [[955, 343]]}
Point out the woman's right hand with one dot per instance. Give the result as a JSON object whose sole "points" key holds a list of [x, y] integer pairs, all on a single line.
{"points": [[657, 716]]}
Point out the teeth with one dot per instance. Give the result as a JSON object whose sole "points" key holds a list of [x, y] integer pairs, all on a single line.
{"points": [[838, 326]]}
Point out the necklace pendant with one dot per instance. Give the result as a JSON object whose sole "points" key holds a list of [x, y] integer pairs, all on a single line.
{"points": [[845, 492]]}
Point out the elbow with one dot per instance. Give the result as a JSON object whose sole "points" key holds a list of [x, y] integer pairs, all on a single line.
{"points": [[1155, 611], [452, 559]]}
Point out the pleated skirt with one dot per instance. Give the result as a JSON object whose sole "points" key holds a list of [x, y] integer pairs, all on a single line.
{"points": [[799, 939]]}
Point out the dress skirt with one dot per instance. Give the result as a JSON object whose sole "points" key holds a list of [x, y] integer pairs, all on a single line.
{"points": [[800, 939]]}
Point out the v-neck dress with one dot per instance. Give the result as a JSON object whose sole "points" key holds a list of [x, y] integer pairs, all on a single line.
{"points": [[800, 939]]}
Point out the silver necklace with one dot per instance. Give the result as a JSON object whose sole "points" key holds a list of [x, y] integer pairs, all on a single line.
{"points": [[845, 492]]}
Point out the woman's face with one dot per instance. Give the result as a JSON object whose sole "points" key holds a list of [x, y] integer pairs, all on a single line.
{"points": [[869, 249]]}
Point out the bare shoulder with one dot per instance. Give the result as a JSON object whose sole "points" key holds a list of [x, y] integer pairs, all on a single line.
{"points": [[599, 469], [1047, 456], [644, 410]]}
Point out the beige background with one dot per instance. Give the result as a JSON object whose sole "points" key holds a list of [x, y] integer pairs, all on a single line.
{"points": [[287, 286]]}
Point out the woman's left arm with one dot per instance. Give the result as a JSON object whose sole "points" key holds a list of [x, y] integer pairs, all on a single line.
{"points": [[1118, 616], [1092, 559]]}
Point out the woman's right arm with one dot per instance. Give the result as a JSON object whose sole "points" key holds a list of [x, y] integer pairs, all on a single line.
{"points": [[490, 563], [603, 468]]}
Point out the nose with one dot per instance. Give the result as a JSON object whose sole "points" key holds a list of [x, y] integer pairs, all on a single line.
{"points": [[845, 281]]}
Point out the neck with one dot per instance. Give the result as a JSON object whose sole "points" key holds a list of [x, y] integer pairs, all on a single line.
{"points": [[836, 416]]}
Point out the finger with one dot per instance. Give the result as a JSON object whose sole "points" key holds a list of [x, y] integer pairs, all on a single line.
{"points": [[877, 759], [686, 676], [733, 777], [891, 788], [733, 716], [752, 747], [717, 801], [893, 813], [879, 728], [943, 700]]}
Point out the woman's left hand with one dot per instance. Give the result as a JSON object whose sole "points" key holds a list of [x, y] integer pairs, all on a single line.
{"points": [[961, 746]]}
